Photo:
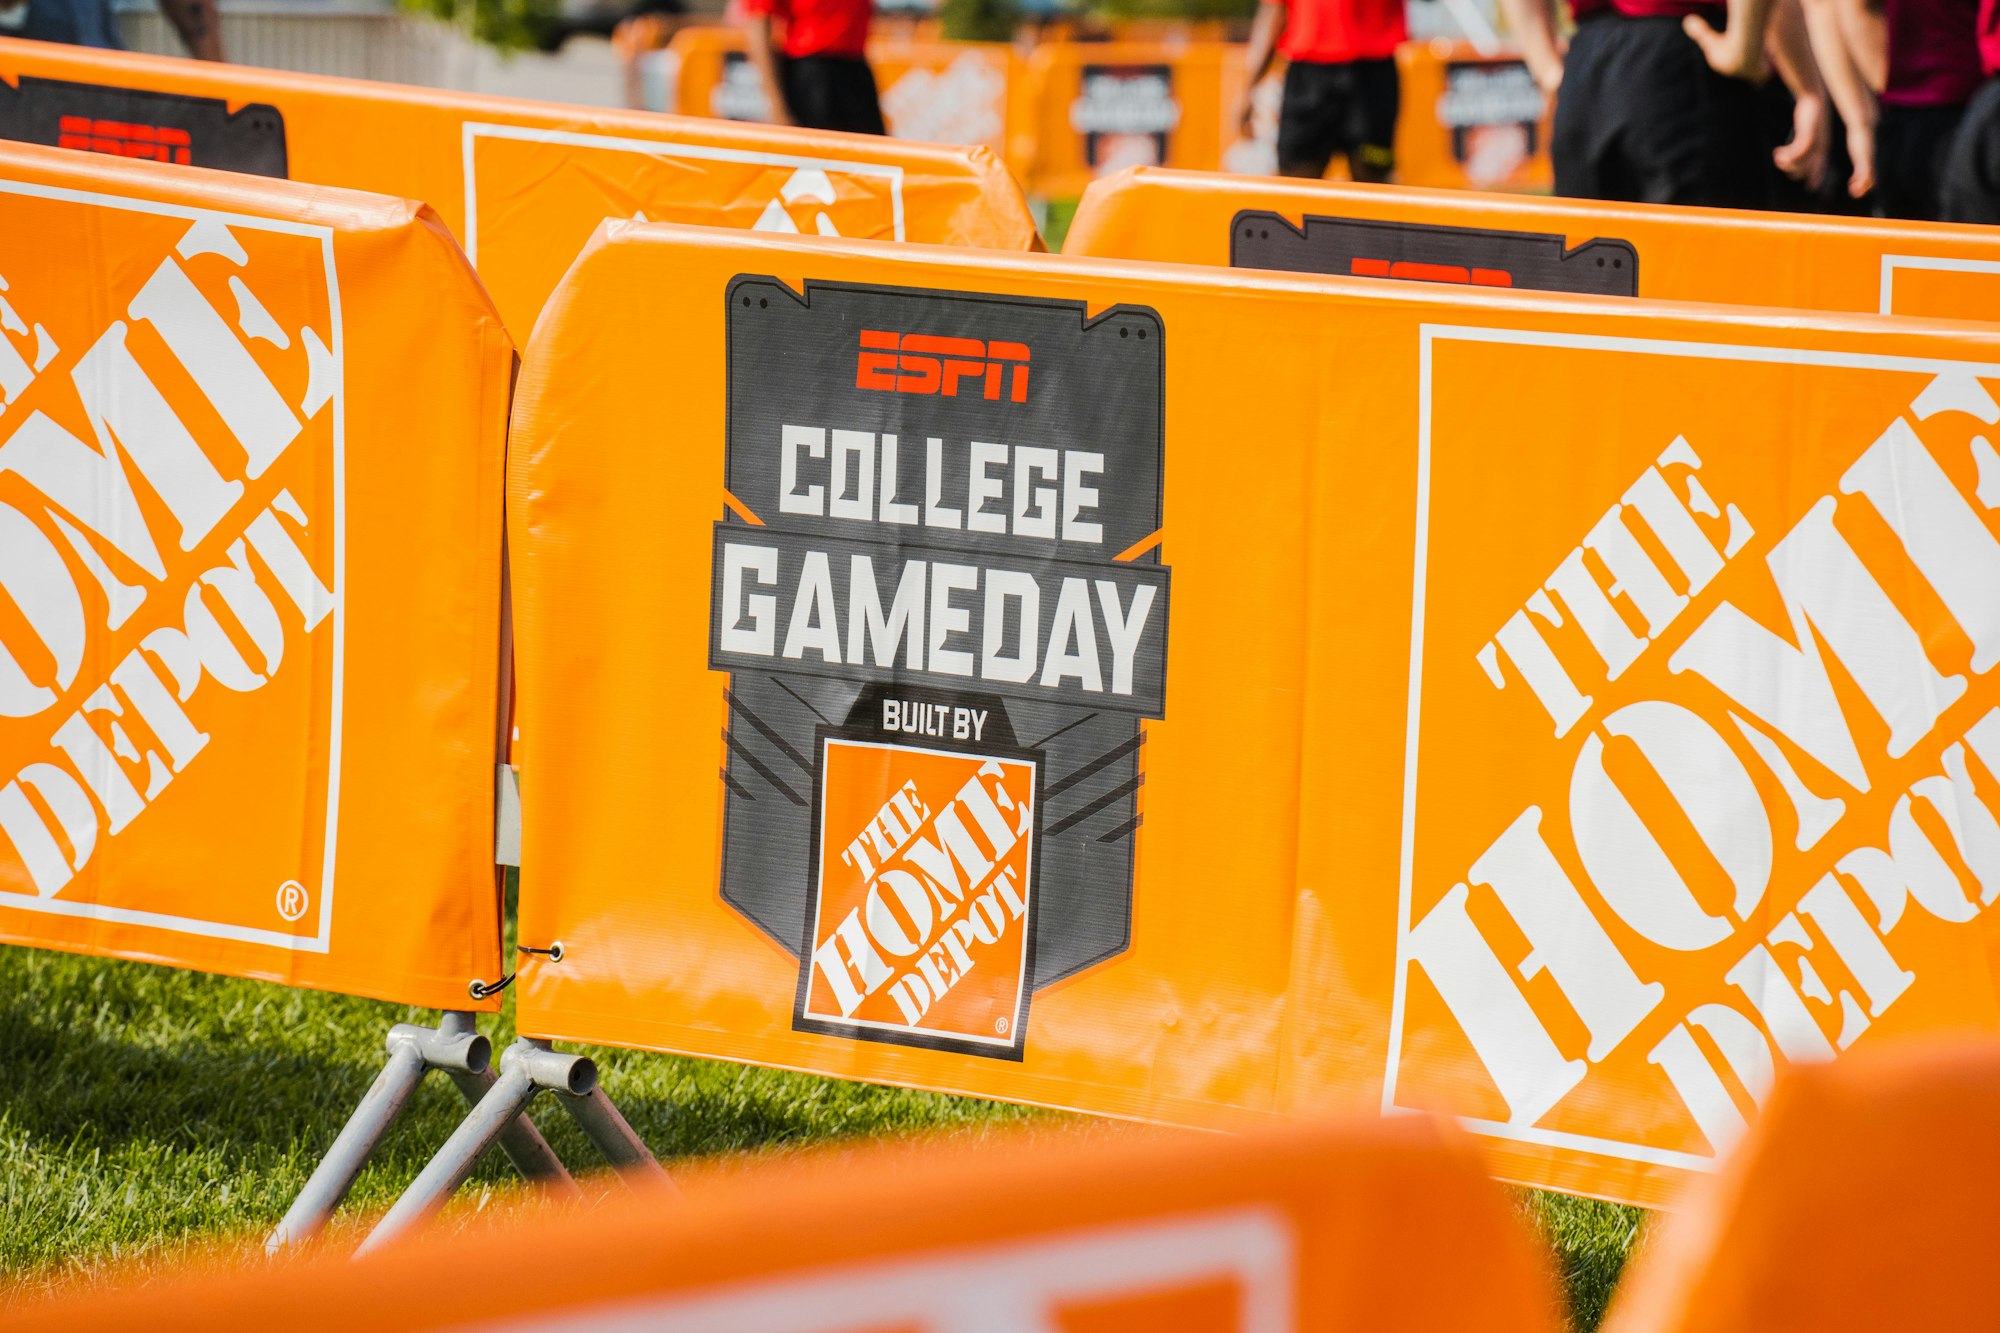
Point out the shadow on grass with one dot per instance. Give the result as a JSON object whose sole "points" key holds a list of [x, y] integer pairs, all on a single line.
{"points": [[143, 1107]]}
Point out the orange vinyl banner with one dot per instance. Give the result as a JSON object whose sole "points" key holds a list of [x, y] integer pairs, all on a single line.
{"points": [[522, 184], [1894, 1237], [1566, 245], [1470, 121], [1310, 1228], [1201, 696], [1099, 107], [249, 642]]}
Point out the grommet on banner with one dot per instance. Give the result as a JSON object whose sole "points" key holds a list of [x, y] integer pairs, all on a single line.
{"points": [[481, 991], [554, 953]]}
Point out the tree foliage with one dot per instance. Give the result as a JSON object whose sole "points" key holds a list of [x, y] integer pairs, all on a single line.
{"points": [[511, 25]]}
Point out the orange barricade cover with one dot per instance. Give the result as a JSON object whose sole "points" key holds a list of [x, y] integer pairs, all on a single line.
{"points": [[1098, 107], [1863, 1200], [250, 461], [1378, 1227], [1672, 254], [522, 183], [1012, 692], [1470, 121]]}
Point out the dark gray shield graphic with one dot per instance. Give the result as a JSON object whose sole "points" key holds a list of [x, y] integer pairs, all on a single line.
{"points": [[1479, 93], [1122, 101], [160, 127], [985, 456], [1358, 247]]}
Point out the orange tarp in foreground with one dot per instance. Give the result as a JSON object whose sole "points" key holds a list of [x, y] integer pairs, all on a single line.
{"points": [[521, 183], [1896, 1235], [997, 676], [249, 636], [1672, 254], [1312, 1228]]}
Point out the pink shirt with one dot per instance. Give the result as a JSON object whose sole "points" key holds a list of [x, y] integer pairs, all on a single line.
{"points": [[1933, 60]]}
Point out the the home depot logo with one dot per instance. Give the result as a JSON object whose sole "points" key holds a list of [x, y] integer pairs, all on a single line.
{"points": [[169, 589], [924, 363], [1746, 702], [921, 914]]}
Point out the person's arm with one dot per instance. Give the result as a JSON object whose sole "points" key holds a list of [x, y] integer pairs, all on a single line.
{"points": [[1265, 30], [1847, 86], [1790, 49], [757, 41], [198, 24], [1534, 26], [1865, 25], [1738, 50]]}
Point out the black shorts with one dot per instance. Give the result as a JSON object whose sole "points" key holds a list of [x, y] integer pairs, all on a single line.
{"points": [[1971, 190], [832, 93], [1641, 118], [1911, 143], [1348, 109]]}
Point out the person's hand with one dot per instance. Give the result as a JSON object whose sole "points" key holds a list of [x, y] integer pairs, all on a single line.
{"points": [[1861, 151], [1804, 158], [1246, 112], [1726, 52], [1545, 67]]}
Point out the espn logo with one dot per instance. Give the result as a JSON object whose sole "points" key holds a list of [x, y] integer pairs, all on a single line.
{"points": [[155, 143], [922, 363], [1415, 272]]}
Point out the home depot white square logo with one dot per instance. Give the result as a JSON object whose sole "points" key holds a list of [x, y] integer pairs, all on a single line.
{"points": [[170, 535]]}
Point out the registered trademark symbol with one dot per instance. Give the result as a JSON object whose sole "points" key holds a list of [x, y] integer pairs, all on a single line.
{"points": [[291, 900], [1000, 1026]]}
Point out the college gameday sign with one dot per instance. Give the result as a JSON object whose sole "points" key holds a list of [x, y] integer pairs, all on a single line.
{"points": [[234, 733], [1323, 737], [523, 184], [1670, 254], [1312, 1227], [935, 619]]}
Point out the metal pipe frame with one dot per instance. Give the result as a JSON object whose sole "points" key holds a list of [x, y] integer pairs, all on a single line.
{"points": [[454, 1046], [527, 1068]]}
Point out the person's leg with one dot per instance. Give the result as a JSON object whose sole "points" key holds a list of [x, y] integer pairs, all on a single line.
{"points": [[1308, 119], [1971, 189], [1692, 136], [1369, 137], [1911, 144], [1584, 130], [798, 79], [855, 102], [1738, 158]]}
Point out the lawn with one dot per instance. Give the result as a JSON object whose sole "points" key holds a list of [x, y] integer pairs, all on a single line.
{"points": [[144, 1109]]}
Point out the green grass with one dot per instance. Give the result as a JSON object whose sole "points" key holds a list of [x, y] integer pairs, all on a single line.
{"points": [[143, 1110], [1055, 223]]}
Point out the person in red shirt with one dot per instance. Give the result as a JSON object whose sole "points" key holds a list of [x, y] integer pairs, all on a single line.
{"points": [[1341, 91], [811, 56], [1971, 189], [1658, 99]]}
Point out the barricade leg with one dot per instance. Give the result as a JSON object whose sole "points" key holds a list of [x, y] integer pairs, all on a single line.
{"points": [[520, 1140], [526, 1069], [413, 1051], [607, 1128]]}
